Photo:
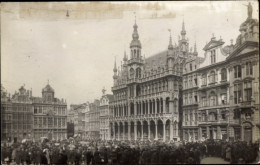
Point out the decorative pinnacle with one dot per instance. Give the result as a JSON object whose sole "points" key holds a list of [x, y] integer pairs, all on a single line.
{"points": [[170, 42], [195, 47], [115, 69]]}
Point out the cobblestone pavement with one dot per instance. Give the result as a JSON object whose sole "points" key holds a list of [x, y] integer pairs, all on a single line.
{"points": [[213, 160]]}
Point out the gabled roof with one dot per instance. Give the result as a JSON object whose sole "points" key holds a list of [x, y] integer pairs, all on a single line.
{"points": [[213, 43], [245, 48]]}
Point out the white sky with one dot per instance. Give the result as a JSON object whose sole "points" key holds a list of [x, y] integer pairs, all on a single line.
{"points": [[77, 53]]}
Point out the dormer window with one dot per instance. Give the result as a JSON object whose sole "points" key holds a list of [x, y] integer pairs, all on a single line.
{"points": [[213, 56]]}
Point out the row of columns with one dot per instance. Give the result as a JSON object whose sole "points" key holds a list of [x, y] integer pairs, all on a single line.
{"points": [[171, 129], [140, 108]]}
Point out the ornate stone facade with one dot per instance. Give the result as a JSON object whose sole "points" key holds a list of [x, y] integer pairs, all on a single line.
{"points": [[104, 114], [228, 89], [50, 115], [147, 92]]}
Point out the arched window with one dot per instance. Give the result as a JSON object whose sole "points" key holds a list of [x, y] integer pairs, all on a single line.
{"points": [[132, 73], [223, 74]]}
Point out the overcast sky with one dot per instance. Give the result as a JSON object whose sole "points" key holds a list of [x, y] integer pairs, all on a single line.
{"points": [[76, 53]]}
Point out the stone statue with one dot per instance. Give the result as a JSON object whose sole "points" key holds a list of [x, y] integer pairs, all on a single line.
{"points": [[249, 10]]}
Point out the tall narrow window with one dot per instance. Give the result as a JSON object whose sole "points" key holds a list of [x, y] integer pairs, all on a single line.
{"points": [[249, 68], [213, 56], [212, 77], [248, 90], [237, 71], [237, 93], [223, 74], [204, 79], [190, 67]]}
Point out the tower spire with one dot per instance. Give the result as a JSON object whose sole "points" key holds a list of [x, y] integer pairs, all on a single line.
{"points": [[170, 41], [115, 69], [125, 58], [183, 31]]}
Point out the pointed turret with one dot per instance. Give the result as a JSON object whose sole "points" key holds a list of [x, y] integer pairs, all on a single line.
{"points": [[125, 57], [195, 49]]}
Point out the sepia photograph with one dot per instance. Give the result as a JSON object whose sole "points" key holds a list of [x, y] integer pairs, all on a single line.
{"points": [[130, 83]]}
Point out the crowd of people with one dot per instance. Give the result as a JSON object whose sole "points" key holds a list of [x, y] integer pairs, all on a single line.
{"points": [[73, 152]]}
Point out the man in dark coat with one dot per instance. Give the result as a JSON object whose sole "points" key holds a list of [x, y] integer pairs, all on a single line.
{"points": [[88, 156], [97, 159]]}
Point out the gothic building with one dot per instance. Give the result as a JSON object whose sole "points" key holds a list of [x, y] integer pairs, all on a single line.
{"points": [[177, 95], [147, 92]]}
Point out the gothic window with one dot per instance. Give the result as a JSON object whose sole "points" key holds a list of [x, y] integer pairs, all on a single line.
{"points": [[175, 106], [223, 74], [237, 93], [249, 68], [186, 117], [237, 71], [191, 116], [212, 116], [190, 99], [203, 116], [132, 73], [196, 99], [248, 90], [204, 101], [177, 68], [223, 116]]}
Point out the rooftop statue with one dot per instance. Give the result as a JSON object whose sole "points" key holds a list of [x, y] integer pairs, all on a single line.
{"points": [[249, 10]]}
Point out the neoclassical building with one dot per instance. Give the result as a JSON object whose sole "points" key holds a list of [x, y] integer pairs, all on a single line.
{"points": [[29, 117], [147, 92], [227, 90], [104, 114], [49, 115]]}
